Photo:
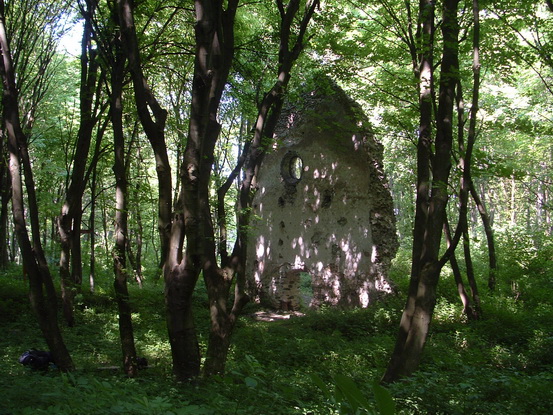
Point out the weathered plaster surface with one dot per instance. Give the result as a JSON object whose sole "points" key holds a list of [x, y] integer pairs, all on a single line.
{"points": [[332, 219]]}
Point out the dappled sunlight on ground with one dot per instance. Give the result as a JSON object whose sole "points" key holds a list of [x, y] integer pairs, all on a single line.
{"points": [[265, 315]]}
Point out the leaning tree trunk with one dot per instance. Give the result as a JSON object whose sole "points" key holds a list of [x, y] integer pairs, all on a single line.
{"points": [[180, 274], [42, 292], [219, 281], [152, 117], [485, 217], [418, 313], [468, 309], [466, 161]]}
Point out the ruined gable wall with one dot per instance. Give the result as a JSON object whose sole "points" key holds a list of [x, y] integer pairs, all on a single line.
{"points": [[335, 223]]}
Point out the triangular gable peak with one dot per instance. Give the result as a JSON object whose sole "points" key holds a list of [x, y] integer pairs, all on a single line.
{"points": [[322, 216]]}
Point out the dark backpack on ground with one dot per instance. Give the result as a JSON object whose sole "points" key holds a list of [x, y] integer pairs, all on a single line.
{"points": [[36, 359]]}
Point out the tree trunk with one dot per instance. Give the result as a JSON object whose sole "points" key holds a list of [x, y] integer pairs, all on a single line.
{"points": [[69, 222], [425, 35], [92, 227], [513, 201], [465, 299], [93, 199], [147, 105], [219, 281], [471, 277], [467, 185], [42, 292], [180, 273], [426, 269], [214, 30], [179, 287], [121, 215], [5, 196], [222, 322], [137, 232], [486, 221]]}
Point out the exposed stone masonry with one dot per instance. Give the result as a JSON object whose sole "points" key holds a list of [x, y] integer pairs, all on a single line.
{"points": [[322, 207]]}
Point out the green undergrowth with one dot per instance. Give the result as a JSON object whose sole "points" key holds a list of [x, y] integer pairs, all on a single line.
{"points": [[325, 362]]}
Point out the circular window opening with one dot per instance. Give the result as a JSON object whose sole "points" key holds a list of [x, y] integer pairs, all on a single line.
{"points": [[292, 167], [296, 167]]}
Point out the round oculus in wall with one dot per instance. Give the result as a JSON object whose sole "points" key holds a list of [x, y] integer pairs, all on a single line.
{"points": [[291, 167]]}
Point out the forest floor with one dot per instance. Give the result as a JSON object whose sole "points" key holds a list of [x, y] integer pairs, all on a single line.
{"points": [[501, 364]]}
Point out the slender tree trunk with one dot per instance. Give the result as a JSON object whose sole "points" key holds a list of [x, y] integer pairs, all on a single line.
{"points": [[465, 299], [5, 196], [471, 277], [425, 35], [513, 207], [219, 281], [42, 292], [121, 215], [92, 227], [465, 160], [137, 232], [467, 175], [180, 273], [138, 253], [418, 312], [492, 258], [486, 221], [154, 127], [69, 222], [93, 201], [153, 118]]}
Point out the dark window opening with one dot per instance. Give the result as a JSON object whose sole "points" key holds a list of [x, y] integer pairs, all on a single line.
{"points": [[327, 198]]}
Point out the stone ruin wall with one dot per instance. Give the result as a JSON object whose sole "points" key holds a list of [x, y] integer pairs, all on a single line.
{"points": [[322, 208]]}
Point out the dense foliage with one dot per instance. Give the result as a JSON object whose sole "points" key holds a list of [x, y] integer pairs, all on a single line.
{"points": [[499, 365]]}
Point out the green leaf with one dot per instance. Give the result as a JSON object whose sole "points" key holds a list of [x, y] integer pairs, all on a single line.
{"points": [[250, 382], [384, 400], [317, 380], [352, 393]]}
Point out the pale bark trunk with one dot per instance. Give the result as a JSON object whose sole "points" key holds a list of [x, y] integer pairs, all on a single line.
{"points": [[513, 207], [492, 258]]}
